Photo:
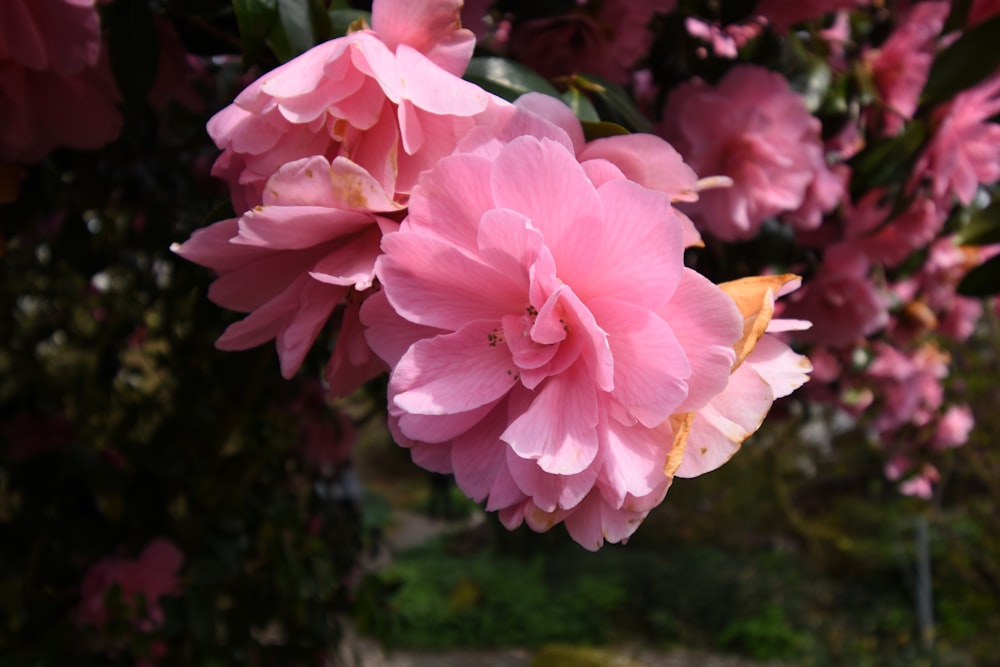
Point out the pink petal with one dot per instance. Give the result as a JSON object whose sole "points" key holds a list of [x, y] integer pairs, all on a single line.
{"points": [[557, 429], [453, 373], [707, 324], [298, 227], [431, 282], [651, 368]]}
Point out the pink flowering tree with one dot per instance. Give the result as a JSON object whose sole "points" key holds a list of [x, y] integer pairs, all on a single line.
{"points": [[567, 252]]}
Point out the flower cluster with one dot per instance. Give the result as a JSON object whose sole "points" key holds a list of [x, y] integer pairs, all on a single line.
{"points": [[525, 288]]}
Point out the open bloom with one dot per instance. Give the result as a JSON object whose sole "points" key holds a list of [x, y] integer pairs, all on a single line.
{"points": [[754, 129], [141, 583], [56, 87], [545, 337]]}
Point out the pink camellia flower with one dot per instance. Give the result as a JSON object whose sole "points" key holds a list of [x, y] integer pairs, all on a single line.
{"points": [[140, 583], [603, 38], [841, 301], [546, 341], [754, 129], [389, 99], [964, 151], [899, 67], [56, 87], [321, 154]]}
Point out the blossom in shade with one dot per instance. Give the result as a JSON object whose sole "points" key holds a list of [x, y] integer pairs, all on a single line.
{"points": [[140, 583], [604, 38], [754, 129], [964, 151], [547, 344], [891, 241], [899, 67], [291, 261], [56, 87]]}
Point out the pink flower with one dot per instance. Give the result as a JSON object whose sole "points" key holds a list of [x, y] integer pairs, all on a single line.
{"points": [[141, 583], [954, 426], [964, 151], [754, 129], [890, 242], [56, 88], [909, 384], [544, 335], [606, 38], [921, 485], [321, 154], [389, 99], [841, 301], [900, 65]]}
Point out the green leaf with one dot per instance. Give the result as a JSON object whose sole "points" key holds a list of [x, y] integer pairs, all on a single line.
{"points": [[602, 129], [970, 59], [984, 280], [612, 102], [890, 160], [133, 48], [256, 19], [982, 228], [580, 105], [957, 17], [322, 23], [341, 19], [295, 21], [506, 78]]}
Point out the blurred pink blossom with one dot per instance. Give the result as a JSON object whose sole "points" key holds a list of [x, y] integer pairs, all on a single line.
{"points": [[141, 583], [964, 150], [603, 38], [954, 426], [754, 129], [56, 88], [841, 300], [900, 65]]}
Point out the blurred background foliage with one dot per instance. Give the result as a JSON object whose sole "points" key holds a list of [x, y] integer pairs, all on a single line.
{"points": [[121, 423]]}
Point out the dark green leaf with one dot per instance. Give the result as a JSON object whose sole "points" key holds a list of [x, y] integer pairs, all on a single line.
{"points": [[580, 105], [957, 17], [321, 22], [983, 227], [256, 18], [296, 24], [506, 78], [612, 102], [341, 19], [602, 129], [133, 47], [984, 280], [970, 59], [890, 160]]}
